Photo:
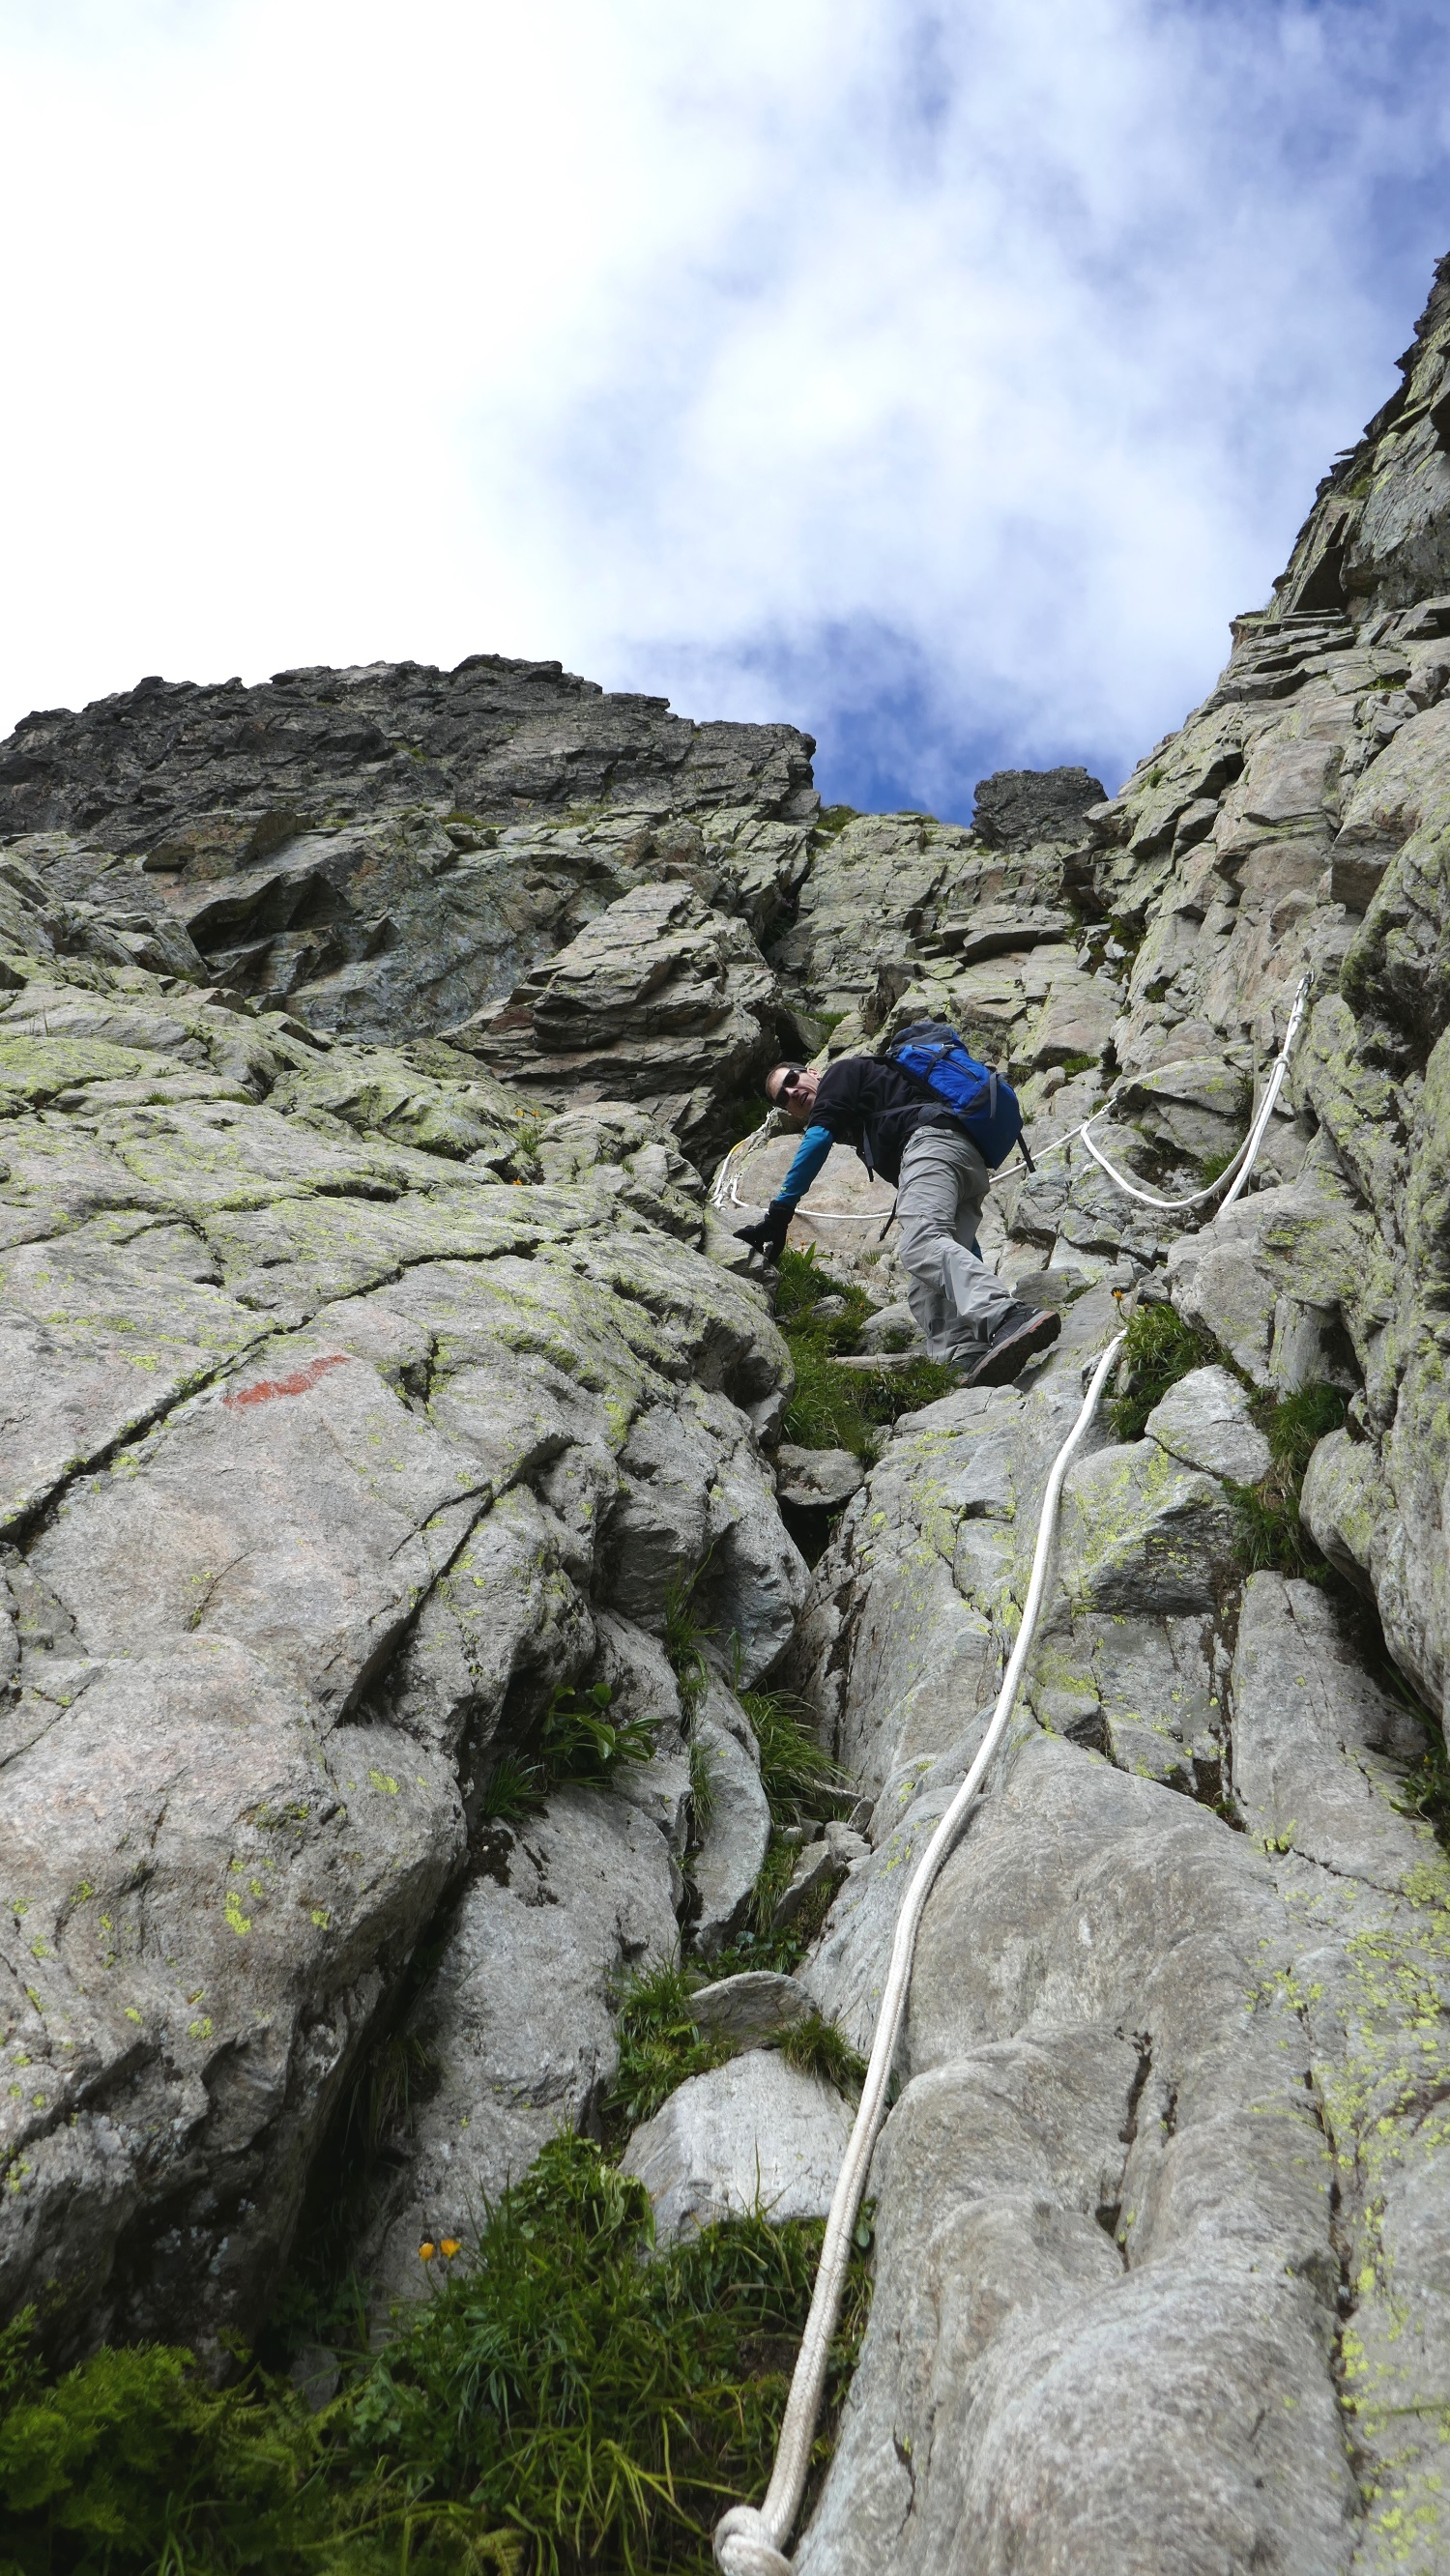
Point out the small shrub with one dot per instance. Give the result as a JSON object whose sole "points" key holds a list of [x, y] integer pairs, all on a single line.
{"points": [[1213, 1167], [561, 2405], [1158, 1349], [579, 1746], [603, 2404], [583, 1746]]}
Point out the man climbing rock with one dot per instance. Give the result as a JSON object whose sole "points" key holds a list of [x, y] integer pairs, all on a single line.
{"points": [[900, 1132]]}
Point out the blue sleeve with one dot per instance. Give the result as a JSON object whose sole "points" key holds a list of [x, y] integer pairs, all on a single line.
{"points": [[810, 1155]]}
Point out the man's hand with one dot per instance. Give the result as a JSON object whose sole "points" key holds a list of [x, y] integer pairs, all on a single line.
{"points": [[769, 1236]]}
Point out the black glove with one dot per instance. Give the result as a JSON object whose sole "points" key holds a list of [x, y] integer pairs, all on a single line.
{"points": [[770, 1234]]}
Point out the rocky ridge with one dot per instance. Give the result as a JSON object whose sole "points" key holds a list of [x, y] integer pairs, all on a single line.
{"points": [[381, 1376]]}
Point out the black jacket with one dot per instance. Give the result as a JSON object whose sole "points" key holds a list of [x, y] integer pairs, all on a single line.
{"points": [[876, 1107]]}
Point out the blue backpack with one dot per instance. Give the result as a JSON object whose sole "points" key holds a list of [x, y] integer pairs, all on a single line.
{"points": [[985, 1102]]}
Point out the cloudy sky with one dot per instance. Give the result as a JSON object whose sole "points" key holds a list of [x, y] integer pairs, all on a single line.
{"points": [[941, 378]]}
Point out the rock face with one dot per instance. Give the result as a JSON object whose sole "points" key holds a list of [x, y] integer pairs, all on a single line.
{"points": [[319, 1444], [386, 850], [1168, 2152], [660, 1000], [378, 1380]]}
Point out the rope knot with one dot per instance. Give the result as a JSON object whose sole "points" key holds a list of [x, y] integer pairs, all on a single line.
{"points": [[744, 2547]]}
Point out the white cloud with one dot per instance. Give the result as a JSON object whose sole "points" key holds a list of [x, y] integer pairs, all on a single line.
{"points": [[943, 377]]}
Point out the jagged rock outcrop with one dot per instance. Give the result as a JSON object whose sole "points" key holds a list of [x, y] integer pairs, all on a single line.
{"points": [[661, 999], [387, 849]]}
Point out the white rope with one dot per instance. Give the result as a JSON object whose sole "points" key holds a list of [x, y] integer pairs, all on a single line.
{"points": [[724, 1188], [1242, 1162], [749, 2541]]}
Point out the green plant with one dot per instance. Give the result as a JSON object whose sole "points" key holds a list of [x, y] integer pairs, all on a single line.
{"points": [[1212, 1167], [832, 819], [763, 1943], [400, 2072], [1158, 1349], [512, 1791], [825, 1410], [798, 1775], [817, 2047], [885, 1398], [660, 2045], [1271, 1536], [702, 1783], [568, 2402], [131, 2463], [581, 1745], [684, 1633], [1076, 1064], [578, 1746]]}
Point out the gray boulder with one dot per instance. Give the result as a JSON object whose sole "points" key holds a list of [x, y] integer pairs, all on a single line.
{"points": [[1205, 1421], [660, 1000], [732, 1822], [751, 2009], [752, 2134], [817, 1479]]}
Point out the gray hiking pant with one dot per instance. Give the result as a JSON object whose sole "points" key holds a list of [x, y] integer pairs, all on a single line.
{"points": [[956, 1299]]}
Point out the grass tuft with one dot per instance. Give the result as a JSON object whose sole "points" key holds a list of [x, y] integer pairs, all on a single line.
{"points": [[1272, 1538], [580, 1746], [684, 1636], [1158, 1349], [798, 1775], [660, 2045], [835, 1408], [817, 2047]]}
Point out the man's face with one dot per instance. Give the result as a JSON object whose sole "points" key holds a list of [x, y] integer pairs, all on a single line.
{"points": [[794, 1093]]}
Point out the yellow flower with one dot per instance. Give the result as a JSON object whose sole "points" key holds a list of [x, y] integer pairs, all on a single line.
{"points": [[427, 2249], [448, 2245]]}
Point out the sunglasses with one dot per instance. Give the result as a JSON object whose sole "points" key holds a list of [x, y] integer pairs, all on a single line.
{"points": [[791, 1083]]}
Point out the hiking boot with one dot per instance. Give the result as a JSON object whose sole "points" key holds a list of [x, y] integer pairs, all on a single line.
{"points": [[1022, 1333]]}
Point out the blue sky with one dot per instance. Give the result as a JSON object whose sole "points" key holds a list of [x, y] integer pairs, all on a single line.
{"points": [[939, 378]]}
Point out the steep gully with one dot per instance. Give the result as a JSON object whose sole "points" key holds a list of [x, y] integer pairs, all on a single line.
{"points": [[377, 1369]]}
